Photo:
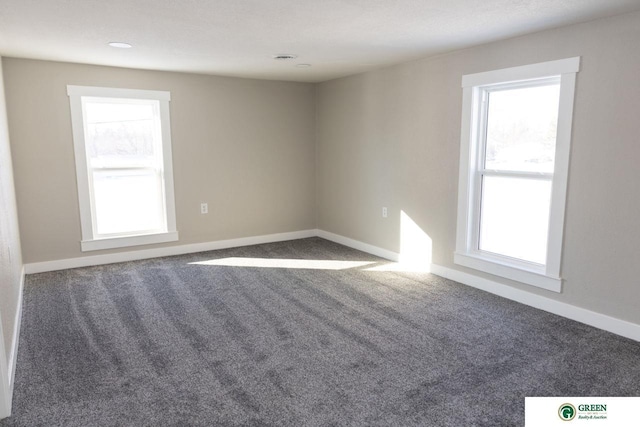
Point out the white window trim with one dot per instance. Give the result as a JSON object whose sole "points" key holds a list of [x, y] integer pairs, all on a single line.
{"points": [[544, 276], [89, 242]]}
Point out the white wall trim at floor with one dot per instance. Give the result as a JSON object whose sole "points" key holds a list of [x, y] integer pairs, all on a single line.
{"points": [[13, 355], [361, 246], [91, 260], [63, 264], [5, 394], [8, 367], [607, 323], [582, 315]]}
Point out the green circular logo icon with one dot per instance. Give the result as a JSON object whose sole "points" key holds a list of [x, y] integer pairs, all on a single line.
{"points": [[567, 412]]}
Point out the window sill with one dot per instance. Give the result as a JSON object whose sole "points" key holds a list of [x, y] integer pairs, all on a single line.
{"points": [[528, 277], [122, 242]]}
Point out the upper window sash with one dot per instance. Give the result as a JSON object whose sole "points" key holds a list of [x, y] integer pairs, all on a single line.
{"points": [[483, 121]]}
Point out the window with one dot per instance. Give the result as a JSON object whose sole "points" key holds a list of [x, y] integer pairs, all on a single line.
{"points": [[122, 147], [514, 159]]}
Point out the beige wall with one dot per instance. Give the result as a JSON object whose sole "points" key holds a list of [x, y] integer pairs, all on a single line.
{"points": [[10, 254], [273, 157], [244, 146], [391, 138]]}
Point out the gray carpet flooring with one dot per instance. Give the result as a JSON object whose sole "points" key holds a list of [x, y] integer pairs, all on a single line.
{"points": [[169, 342]]}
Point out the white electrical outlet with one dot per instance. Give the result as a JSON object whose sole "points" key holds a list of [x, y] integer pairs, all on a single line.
{"points": [[204, 208], [385, 213]]}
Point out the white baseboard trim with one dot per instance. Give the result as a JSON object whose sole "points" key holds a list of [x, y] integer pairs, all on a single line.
{"points": [[5, 395], [63, 264], [8, 366], [601, 321], [361, 246], [582, 315], [13, 354]]}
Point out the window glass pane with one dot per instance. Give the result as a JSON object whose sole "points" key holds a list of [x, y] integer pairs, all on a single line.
{"points": [[122, 133], [521, 129], [127, 201], [514, 218]]}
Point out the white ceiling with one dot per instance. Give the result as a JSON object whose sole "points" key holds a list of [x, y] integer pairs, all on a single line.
{"points": [[239, 37]]}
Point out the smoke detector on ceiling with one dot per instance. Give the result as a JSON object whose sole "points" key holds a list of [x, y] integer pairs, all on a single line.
{"points": [[120, 45], [284, 56]]}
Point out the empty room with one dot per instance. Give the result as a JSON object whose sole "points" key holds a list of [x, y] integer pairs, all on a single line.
{"points": [[299, 213]]}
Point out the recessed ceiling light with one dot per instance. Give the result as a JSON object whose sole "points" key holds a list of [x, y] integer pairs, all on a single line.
{"points": [[303, 65], [120, 45], [284, 56]]}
